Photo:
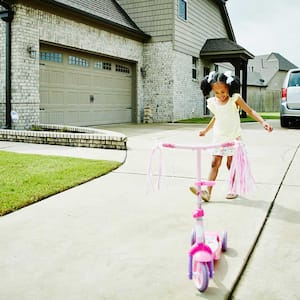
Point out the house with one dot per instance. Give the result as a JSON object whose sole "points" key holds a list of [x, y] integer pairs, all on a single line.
{"points": [[265, 78], [100, 62]]}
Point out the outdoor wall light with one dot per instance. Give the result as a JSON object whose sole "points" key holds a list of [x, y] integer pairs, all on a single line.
{"points": [[32, 51], [143, 72]]}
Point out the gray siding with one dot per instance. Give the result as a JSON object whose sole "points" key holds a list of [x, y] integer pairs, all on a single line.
{"points": [[152, 16], [204, 20]]}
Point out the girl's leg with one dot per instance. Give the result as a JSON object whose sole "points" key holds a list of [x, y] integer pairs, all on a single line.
{"points": [[229, 160], [215, 165]]}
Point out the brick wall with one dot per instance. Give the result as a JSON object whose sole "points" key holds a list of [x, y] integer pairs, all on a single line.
{"points": [[188, 99], [169, 88], [70, 136], [159, 84]]}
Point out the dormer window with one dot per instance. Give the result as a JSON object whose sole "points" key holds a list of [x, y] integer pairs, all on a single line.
{"points": [[182, 9]]}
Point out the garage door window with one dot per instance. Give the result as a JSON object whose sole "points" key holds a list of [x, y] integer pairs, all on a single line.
{"points": [[123, 69], [102, 65], [51, 56], [77, 61]]}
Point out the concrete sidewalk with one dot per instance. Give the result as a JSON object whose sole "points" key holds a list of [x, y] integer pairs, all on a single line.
{"points": [[111, 239]]}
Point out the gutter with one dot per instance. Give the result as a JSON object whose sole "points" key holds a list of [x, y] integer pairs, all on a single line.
{"points": [[7, 16]]}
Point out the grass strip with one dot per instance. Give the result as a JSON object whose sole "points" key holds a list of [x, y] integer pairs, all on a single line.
{"points": [[205, 120], [28, 178]]}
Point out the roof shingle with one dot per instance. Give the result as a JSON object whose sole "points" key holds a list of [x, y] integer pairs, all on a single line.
{"points": [[106, 10]]}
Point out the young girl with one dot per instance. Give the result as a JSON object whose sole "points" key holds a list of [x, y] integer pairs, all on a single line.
{"points": [[225, 107]]}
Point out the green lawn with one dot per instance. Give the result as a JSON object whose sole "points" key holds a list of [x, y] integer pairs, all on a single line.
{"points": [[205, 120], [28, 178]]}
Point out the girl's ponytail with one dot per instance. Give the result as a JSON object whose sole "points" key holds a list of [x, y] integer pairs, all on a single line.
{"points": [[232, 82]]}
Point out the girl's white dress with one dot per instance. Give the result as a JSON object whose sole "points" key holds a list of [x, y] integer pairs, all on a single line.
{"points": [[227, 126]]}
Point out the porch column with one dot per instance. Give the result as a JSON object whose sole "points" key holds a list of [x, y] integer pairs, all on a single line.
{"points": [[244, 64]]}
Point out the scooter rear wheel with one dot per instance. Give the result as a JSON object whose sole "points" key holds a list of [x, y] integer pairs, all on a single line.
{"points": [[224, 241]]}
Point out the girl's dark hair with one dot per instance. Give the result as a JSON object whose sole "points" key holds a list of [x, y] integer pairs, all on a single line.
{"points": [[233, 82]]}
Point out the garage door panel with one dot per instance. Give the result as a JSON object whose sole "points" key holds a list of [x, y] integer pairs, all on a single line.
{"points": [[44, 94], [57, 97], [56, 117], [121, 99], [44, 75], [76, 79], [89, 94], [83, 80], [102, 81], [76, 98], [119, 83], [56, 77], [72, 116]]}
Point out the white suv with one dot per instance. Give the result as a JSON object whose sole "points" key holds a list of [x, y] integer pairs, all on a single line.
{"points": [[290, 98]]}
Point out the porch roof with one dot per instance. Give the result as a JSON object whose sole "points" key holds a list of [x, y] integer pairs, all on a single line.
{"points": [[224, 50]]}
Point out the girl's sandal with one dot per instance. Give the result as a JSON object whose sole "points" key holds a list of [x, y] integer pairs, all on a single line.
{"points": [[231, 196], [204, 194], [194, 190]]}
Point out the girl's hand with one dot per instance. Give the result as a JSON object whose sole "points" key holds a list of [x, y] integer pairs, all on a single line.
{"points": [[267, 126], [202, 132]]}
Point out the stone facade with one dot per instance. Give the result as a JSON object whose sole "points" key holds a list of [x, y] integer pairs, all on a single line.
{"points": [[166, 85], [188, 99], [31, 27], [158, 82], [67, 136], [170, 90]]}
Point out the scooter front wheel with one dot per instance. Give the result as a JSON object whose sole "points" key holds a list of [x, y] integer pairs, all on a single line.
{"points": [[200, 275]]}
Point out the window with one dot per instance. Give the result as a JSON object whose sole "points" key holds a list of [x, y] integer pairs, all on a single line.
{"points": [[294, 79], [123, 69], [194, 68], [51, 56], [101, 65], [81, 62], [182, 9]]}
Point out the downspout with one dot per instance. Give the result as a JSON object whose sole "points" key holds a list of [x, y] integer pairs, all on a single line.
{"points": [[7, 16]]}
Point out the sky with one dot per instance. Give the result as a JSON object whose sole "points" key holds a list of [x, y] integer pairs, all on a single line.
{"points": [[265, 26]]}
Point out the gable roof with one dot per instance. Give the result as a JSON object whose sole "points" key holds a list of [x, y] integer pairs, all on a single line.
{"points": [[108, 12], [268, 65], [283, 63]]}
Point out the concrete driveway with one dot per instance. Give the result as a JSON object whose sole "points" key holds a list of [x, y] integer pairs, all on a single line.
{"points": [[114, 238]]}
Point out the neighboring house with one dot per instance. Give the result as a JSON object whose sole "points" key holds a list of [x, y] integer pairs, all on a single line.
{"points": [[265, 78], [100, 62]]}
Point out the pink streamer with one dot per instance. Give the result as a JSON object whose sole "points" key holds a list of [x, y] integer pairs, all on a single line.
{"points": [[241, 181], [150, 168]]}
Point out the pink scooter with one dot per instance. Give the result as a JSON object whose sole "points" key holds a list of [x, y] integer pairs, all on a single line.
{"points": [[206, 247]]}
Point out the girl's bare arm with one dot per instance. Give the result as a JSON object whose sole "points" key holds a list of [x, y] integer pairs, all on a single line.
{"points": [[209, 126], [253, 114]]}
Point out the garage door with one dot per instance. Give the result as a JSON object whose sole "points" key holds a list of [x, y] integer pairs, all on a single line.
{"points": [[83, 89]]}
